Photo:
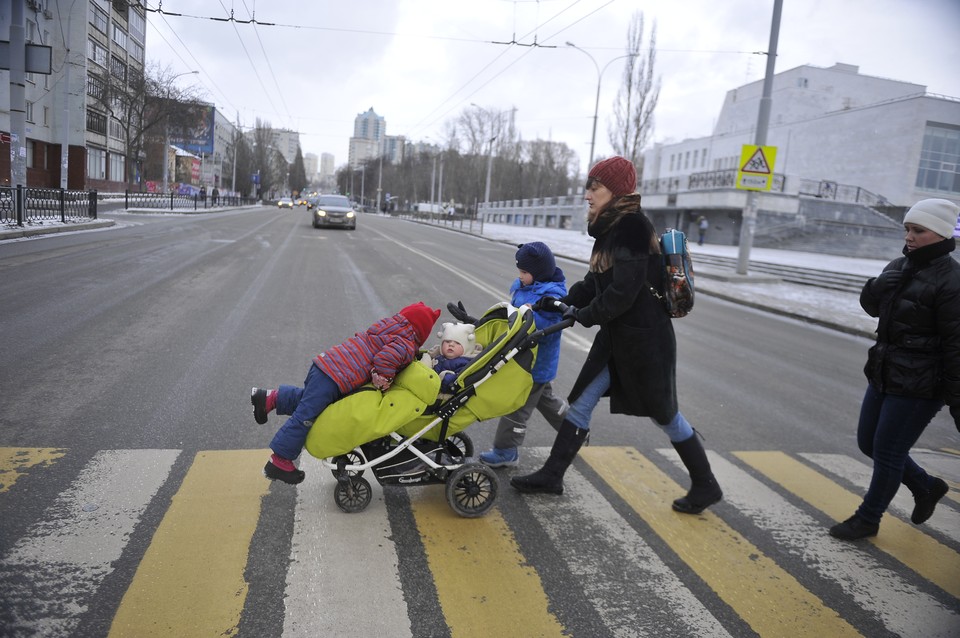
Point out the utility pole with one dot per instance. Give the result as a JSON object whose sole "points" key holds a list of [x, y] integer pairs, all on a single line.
{"points": [[749, 224], [18, 99]]}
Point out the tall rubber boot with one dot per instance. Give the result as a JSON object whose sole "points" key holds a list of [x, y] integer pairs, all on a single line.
{"points": [[704, 491], [549, 478]]}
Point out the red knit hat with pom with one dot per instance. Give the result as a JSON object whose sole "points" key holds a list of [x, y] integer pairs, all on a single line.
{"points": [[422, 318], [617, 174]]}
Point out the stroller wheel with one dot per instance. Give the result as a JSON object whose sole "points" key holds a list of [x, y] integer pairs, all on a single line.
{"points": [[460, 444], [472, 489], [350, 458], [353, 494]]}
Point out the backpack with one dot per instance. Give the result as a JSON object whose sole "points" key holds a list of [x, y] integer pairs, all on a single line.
{"points": [[678, 288]]}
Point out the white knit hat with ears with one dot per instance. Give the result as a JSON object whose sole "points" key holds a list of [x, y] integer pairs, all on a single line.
{"points": [[462, 333], [938, 215]]}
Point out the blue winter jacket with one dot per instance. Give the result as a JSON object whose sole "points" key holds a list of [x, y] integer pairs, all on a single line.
{"points": [[548, 352]]}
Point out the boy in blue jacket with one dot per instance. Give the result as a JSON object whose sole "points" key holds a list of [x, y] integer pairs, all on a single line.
{"points": [[539, 277]]}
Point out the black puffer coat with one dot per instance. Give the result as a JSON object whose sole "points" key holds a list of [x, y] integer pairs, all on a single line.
{"points": [[636, 339], [917, 353]]}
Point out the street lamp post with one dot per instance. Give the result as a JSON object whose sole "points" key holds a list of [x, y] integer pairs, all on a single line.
{"points": [[596, 106], [166, 134], [486, 190]]}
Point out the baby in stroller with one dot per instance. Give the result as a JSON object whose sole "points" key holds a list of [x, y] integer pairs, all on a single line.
{"points": [[457, 348]]}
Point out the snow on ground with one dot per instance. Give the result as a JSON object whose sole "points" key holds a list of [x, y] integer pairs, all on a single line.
{"points": [[838, 310]]}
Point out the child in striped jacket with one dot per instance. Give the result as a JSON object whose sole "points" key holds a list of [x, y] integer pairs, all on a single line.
{"points": [[375, 355]]}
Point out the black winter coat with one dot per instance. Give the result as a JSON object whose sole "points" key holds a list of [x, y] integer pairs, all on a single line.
{"points": [[917, 353], [636, 339]]}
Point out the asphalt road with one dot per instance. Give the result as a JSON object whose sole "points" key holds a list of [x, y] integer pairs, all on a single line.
{"points": [[126, 364]]}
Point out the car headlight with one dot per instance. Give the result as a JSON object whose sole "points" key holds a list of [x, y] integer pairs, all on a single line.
{"points": [[321, 213], [350, 214]]}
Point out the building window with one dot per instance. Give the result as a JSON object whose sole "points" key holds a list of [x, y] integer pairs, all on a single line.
{"points": [[686, 160], [29, 111], [98, 18], [96, 122], [136, 51], [940, 159], [96, 87], [30, 153], [119, 37], [695, 154], [118, 69], [671, 162], [703, 159], [97, 53], [46, 116], [137, 25], [116, 167], [116, 130], [802, 83], [96, 163]]}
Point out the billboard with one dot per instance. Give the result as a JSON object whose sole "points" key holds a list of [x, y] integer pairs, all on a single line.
{"points": [[196, 132]]}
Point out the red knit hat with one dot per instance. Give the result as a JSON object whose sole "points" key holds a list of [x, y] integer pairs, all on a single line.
{"points": [[617, 174], [422, 318]]}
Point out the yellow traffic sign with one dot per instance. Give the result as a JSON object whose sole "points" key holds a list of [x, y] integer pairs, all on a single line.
{"points": [[756, 167]]}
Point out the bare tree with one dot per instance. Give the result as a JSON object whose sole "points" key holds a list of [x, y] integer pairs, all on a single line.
{"points": [[638, 95], [141, 104]]}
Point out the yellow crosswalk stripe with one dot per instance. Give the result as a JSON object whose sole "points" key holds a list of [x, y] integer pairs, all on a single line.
{"points": [[484, 587], [190, 581], [764, 595], [14, 460], [921, 553]]}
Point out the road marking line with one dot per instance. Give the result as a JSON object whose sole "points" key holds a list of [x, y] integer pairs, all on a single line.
{"points": [[483, 584], [332, 557], [743, 576], [945, 519], [51, 574], [190, 581], [897, 603], [616, 564], [15, 460], [921, 553]]}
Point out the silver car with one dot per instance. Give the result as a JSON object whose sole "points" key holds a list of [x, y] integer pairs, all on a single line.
{"points": [[334, 210]]}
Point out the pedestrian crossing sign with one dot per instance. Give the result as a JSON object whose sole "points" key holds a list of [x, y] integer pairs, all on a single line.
{"points": [[756, 167]]}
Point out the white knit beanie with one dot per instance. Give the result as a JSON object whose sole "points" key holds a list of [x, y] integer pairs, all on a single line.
{"points": [[937, 215], [462, 333]]}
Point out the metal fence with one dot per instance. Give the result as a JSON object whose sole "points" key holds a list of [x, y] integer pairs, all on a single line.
{"points": [[21, 205], [174, 201]]}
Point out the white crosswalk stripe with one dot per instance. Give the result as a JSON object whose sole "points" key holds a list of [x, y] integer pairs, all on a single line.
{"points": [[900, 606], [49, 576]]}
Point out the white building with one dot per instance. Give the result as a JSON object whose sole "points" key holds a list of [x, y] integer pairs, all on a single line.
{"points": [[831, 126]]}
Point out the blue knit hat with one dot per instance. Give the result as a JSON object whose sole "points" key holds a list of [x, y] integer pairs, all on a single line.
{"points": [[537, 259]]}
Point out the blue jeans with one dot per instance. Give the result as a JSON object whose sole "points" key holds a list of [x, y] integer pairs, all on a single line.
{"points": [[303, 405], [889, 426], [581, 410]]}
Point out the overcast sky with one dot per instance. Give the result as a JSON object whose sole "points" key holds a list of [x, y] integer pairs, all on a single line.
{"points": [[419, 63]]}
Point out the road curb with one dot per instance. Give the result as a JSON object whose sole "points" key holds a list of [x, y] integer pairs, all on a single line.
{"points": [[33, 231]]}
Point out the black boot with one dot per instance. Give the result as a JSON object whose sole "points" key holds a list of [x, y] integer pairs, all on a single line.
{"points": [[704, 491], [549, 478]]}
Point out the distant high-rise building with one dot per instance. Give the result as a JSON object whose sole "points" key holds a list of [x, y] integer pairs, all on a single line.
{"points": [[310, 164], [369, 131]]}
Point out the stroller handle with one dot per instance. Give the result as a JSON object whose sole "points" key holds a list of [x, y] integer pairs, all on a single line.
{"points": [[563, 324]]}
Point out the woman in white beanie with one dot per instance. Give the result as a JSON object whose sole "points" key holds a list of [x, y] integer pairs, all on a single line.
{"points": [[914, 367]]}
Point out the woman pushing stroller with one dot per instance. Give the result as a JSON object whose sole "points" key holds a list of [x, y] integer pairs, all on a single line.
{"points": [[633, 356]]}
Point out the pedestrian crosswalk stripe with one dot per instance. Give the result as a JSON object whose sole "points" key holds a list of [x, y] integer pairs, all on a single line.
{"points": [[616, 565], [484, 586], [332, 559], [742, 575], [946, 520], [52, 573], [897, 603], [191, 581], [918, 551], [14, 461]]}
